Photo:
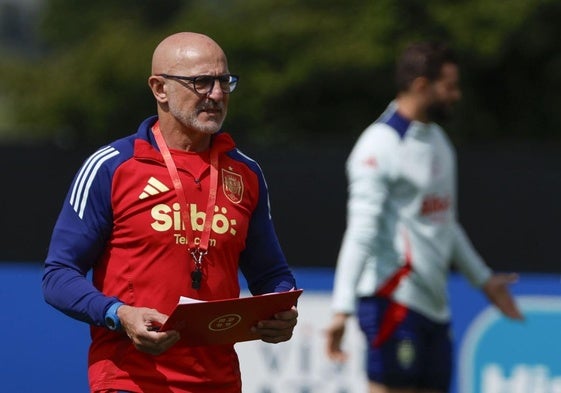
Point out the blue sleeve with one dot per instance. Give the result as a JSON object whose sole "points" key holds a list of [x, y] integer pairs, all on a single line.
{"points": [[78, 239], [263, 263]]}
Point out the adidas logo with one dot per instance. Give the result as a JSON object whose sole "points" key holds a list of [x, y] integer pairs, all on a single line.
{"points": [[153, 187]]}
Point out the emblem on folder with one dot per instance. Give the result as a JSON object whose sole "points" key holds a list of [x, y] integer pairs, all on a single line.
{"points": [[224, 322], [232, 184]]}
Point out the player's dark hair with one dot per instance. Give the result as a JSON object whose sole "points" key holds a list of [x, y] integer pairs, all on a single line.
{"points": [[422, 59]]}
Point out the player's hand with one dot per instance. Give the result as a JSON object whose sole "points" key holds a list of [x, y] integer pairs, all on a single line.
{"points": [[334, 334], [496, 288], [279, 328], [139, 322]]}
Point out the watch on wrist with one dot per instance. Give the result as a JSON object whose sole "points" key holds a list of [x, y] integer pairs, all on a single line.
{"points": [[112, 321]]}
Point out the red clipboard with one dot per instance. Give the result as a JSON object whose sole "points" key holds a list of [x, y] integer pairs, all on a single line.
{"points": [[226, 321]]}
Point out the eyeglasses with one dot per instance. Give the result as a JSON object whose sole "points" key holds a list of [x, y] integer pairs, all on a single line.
{"points": [[203, 84]]}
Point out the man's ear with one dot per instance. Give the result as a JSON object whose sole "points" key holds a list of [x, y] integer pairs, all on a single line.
{"points": [[158, 88], [420, 85]]}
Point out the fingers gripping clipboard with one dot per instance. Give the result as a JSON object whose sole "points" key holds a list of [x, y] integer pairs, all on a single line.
{"points": [[226, 321]]}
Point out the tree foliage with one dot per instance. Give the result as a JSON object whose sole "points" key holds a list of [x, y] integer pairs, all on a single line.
{"points": [[309, 69]]}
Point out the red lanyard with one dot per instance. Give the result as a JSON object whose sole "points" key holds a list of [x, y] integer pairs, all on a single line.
{"points": [[197, 251]]}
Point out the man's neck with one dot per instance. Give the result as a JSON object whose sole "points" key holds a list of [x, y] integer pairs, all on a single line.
{"points": [[180, 138], [409, 107]]}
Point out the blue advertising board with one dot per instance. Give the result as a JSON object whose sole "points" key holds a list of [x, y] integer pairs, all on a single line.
{"points": [[498, 355], [45, 351]]}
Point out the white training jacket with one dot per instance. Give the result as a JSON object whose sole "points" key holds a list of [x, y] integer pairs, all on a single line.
{"points": [[402, 204]]}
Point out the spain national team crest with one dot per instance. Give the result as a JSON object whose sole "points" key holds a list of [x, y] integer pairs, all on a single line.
{"points": [[405, 353], [232, 184]]}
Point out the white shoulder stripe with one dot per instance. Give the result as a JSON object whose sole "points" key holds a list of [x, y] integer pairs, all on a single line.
{"points": [[86, 176], [246, 157], [85, 169]]}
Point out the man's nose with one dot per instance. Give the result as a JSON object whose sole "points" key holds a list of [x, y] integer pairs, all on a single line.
{"points": [[216, 92]]}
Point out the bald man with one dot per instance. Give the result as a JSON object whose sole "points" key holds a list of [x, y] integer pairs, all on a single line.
{"points": [[173, 210]]}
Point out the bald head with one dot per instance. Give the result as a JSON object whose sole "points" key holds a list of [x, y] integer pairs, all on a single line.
{"points": [[187, 52]]}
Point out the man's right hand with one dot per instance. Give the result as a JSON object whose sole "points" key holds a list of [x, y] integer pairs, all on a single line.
{"points": [[335, 333], [139, 322]]}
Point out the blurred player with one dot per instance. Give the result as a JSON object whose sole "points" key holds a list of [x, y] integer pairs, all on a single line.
{"points": [[402, 234]]}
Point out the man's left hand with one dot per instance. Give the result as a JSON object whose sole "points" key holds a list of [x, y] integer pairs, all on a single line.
{"points": [[497, 291], [279, 328]]}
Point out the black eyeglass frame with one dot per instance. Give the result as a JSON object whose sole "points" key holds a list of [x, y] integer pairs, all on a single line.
{"points": [[232, 81]]}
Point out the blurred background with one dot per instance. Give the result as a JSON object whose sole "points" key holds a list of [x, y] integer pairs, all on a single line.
{"points": [[313, 75]]}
